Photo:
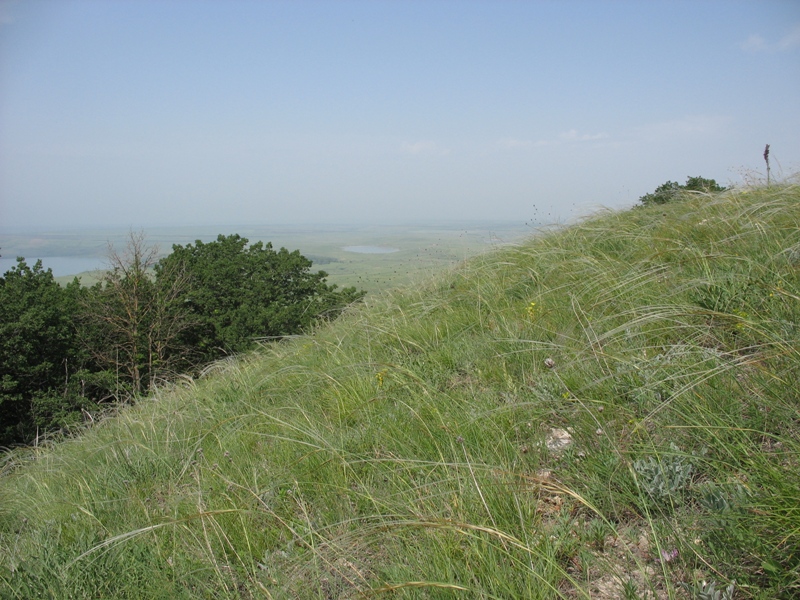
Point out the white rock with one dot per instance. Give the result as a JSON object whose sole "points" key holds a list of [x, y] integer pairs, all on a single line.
{"points": [[558, 439]]}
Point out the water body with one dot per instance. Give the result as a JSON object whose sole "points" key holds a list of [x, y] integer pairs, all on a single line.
{"points": [[370, 249], [61, 265]]}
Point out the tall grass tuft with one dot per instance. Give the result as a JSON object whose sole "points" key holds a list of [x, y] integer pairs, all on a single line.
{"points": [[609, 410]]}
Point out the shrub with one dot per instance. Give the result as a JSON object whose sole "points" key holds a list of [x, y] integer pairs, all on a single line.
{"points": [[669, 191]]}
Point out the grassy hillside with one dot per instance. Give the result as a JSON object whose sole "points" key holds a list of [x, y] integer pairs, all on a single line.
{"points": [[606, 411]]}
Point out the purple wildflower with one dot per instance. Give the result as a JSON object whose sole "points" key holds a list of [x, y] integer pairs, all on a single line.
{"points": [[668, 555]]}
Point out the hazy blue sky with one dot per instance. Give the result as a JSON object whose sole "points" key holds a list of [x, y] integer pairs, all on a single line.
{"points": [[134, 113]]}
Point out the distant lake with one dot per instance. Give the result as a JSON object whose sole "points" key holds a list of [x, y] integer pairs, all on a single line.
{"points": [[61, 265], [370, 249]]}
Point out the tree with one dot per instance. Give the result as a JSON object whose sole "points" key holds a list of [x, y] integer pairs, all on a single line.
{"points": [[132, 323], [700, 184], [238, 293], [65, 350], [671, 190], [38, 354]]}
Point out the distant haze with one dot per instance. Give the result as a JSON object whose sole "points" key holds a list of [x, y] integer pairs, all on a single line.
{"points": [[141, 113]]}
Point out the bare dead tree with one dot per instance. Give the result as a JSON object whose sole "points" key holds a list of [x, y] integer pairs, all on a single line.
{"points": [[133, 323], [167, 354]]}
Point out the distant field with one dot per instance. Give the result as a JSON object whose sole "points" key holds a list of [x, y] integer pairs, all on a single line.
{"points": [[418, 250]]}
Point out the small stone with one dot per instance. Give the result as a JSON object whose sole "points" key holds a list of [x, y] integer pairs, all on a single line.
{"points": [[558, 440], [599, 431], [549, 363]]}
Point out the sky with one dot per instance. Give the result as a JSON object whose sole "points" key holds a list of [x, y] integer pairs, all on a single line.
{"points": [[136, 113]]}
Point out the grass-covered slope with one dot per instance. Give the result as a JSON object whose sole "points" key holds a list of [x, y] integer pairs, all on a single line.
{"points": [[606, 411]]}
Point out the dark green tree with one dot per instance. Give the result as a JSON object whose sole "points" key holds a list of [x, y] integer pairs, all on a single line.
{"points": [[666, 192], [63, 351], [671, 190], [39, 355], [239, 292], [701, 184]]}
